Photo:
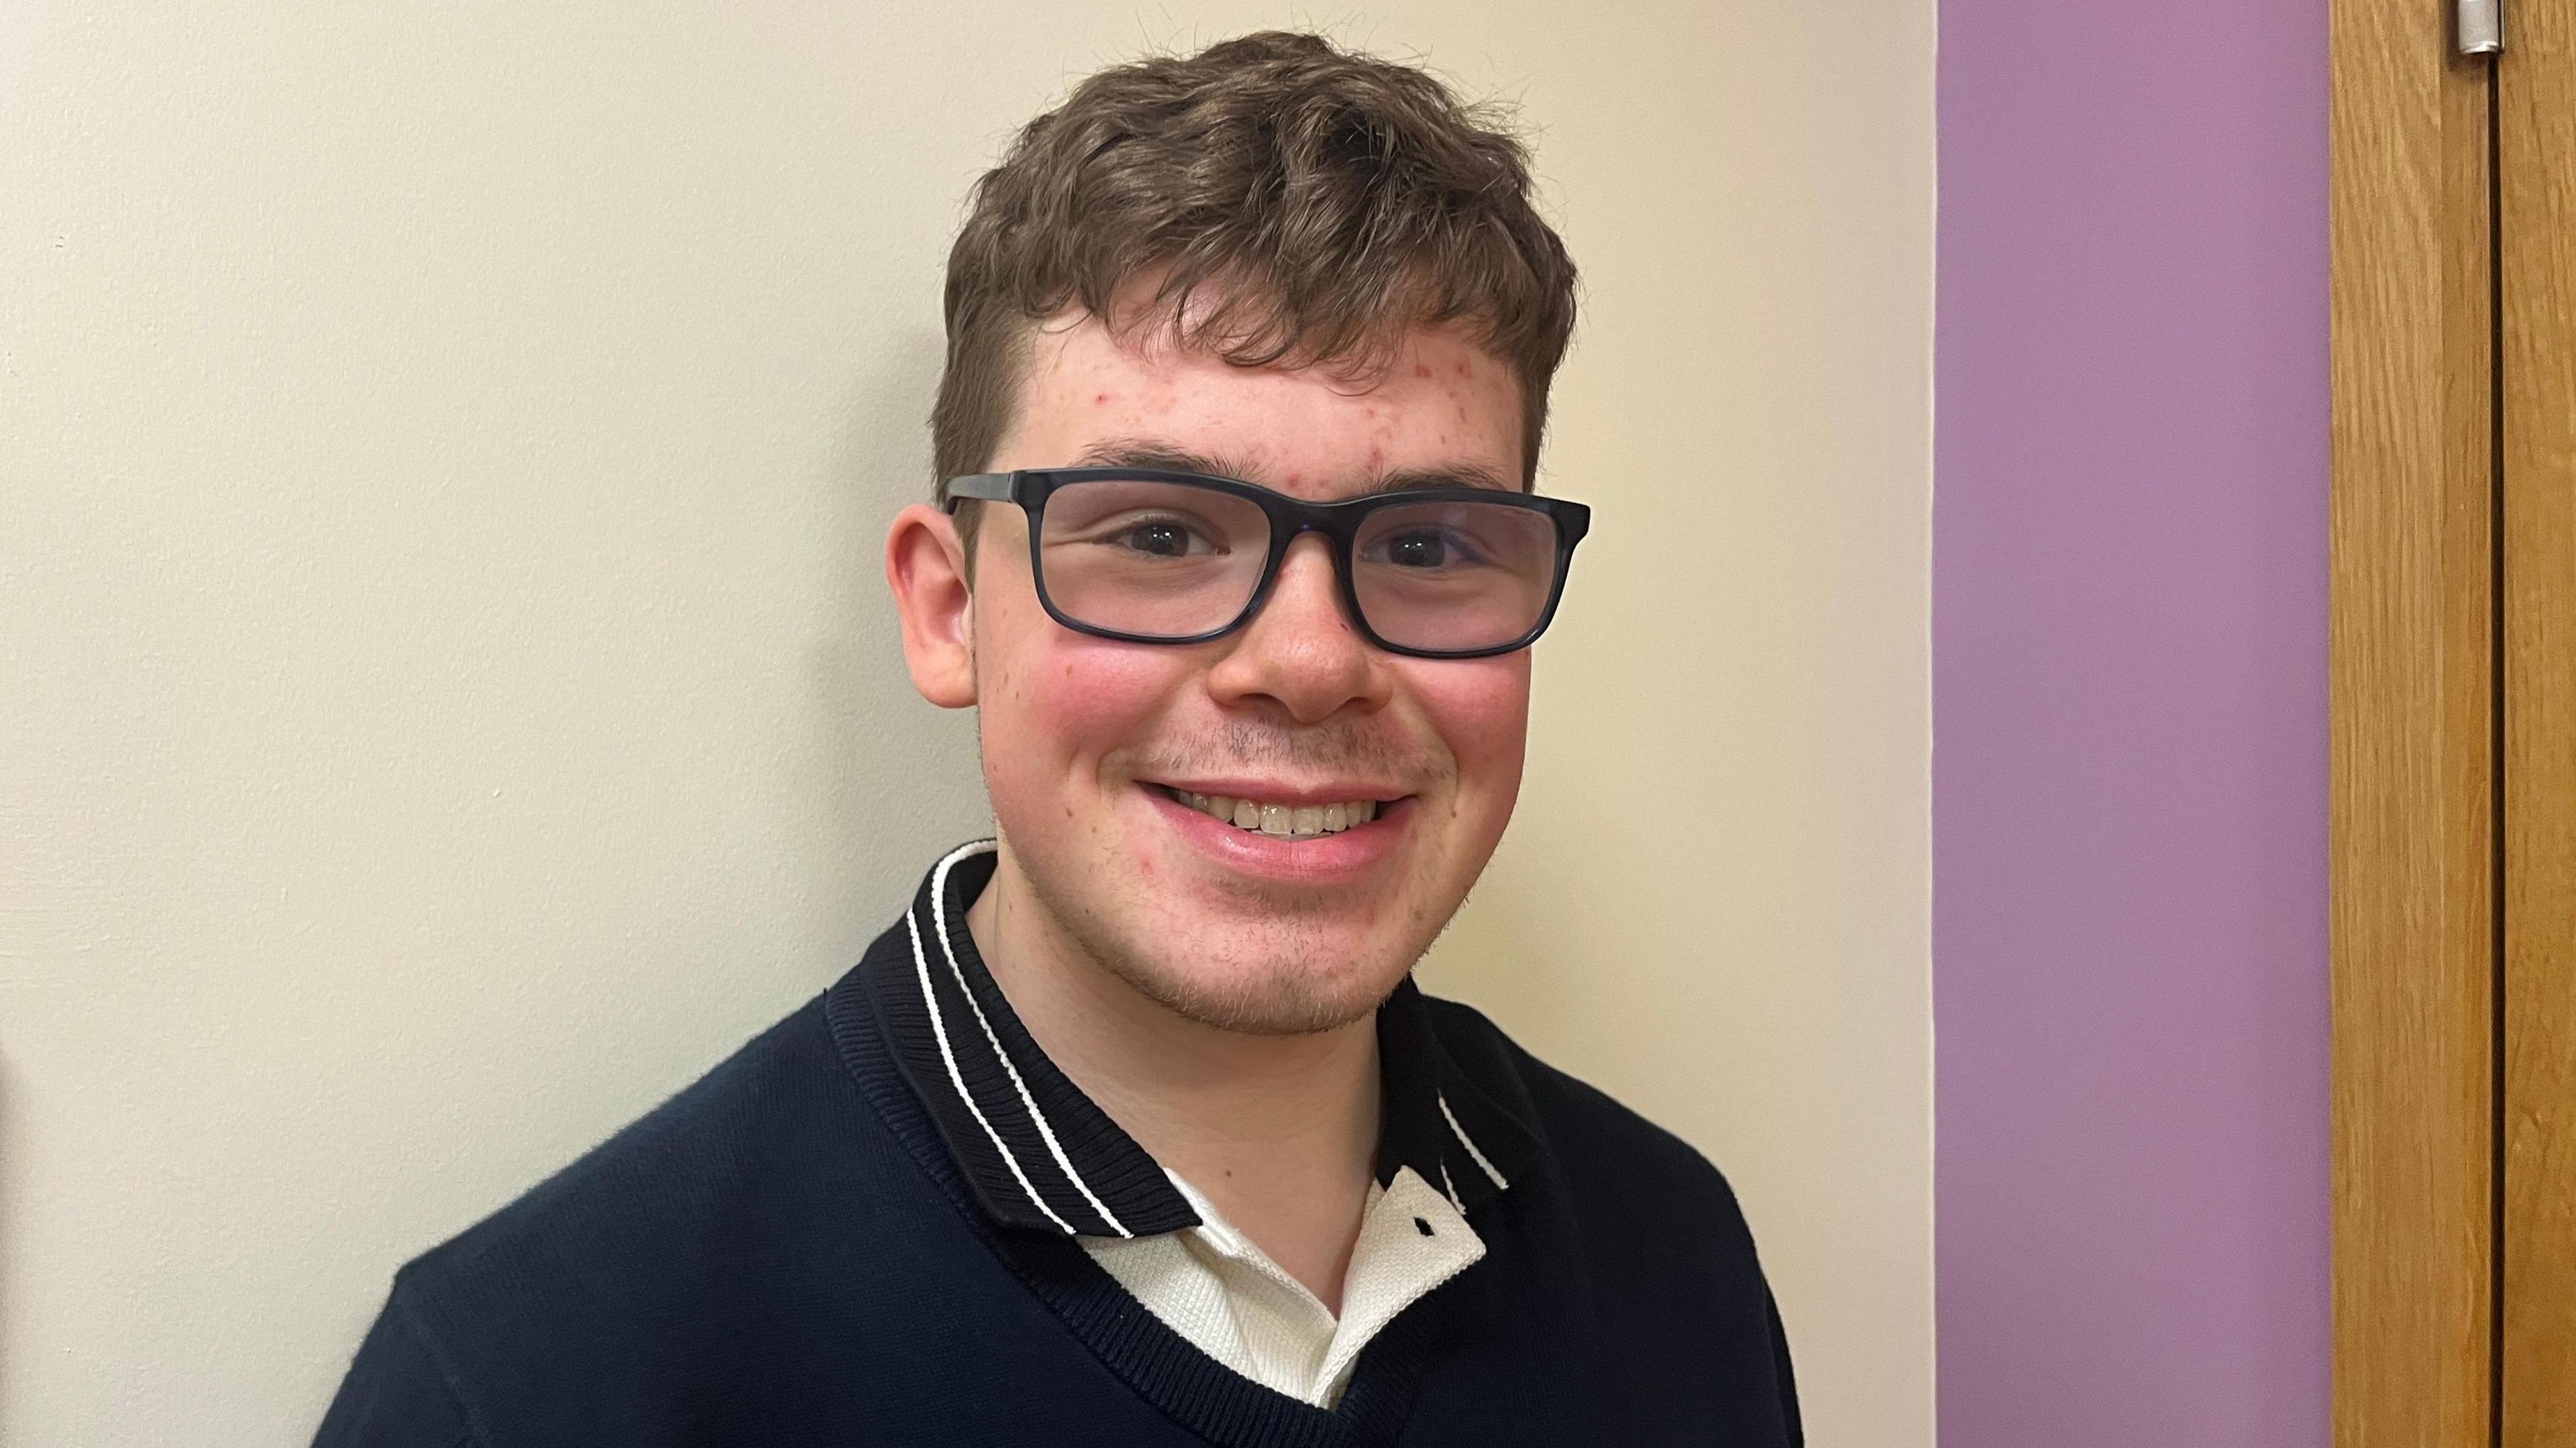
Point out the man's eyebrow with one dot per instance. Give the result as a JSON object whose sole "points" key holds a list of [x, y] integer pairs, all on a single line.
{"points": [[1122, 452], [1453, 475]]}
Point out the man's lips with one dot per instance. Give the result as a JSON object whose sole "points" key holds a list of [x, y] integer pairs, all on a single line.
{"points": [[1321, 857], [1302, 821], [1271, 791]]}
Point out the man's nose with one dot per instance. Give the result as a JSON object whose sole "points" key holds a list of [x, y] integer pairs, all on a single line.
{"points": [[1302, 651]]}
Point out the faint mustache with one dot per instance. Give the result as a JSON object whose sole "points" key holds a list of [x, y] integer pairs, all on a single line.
{"points": [[1254, 747]]}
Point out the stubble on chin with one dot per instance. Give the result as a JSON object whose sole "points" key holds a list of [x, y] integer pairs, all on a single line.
{"points": [[1282, 1001], [1295, 979], [1277, 962], [1281, 970]]}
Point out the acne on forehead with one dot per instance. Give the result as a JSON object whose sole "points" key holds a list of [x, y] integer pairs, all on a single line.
{"points": [[1441, 399]]}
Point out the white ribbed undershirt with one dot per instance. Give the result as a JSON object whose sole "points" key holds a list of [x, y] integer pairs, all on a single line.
{"points": [[1222, 1293]]}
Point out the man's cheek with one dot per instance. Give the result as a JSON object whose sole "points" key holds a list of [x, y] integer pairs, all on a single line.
{"points": [[1480, 709], [1093, 697]]}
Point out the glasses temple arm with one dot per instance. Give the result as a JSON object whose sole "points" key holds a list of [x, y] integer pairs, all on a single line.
{"points": [[983, 487]]}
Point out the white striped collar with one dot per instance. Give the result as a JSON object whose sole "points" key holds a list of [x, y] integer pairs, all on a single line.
{"points": [[1039, 1154]]}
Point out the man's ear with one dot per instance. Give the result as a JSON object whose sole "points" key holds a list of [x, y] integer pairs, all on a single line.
{"points": [[925, 565]]}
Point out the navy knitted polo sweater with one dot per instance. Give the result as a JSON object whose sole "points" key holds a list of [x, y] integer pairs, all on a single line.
{"points": [[862, 1229]]}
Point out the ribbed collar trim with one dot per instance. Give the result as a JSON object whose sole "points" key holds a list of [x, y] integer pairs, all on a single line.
{"points": [[1038, 1154]]}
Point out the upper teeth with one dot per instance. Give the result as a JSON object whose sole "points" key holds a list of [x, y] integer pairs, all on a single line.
{"points": [[1281, 819]]}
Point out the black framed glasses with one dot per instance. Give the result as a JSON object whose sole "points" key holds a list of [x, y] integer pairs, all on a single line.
{"points": [[1155, 557]]}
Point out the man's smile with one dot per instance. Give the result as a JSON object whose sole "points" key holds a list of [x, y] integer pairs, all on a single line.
{"points": [[1295, 838], [1281, 813]]}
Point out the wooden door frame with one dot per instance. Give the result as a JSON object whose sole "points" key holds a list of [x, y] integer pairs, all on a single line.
{"points": [[2536, 577], [2413, 862]]}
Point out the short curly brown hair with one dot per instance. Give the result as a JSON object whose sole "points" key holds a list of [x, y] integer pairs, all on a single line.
{"points": [[1297, 204]]}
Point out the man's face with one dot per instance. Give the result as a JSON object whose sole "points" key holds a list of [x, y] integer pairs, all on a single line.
{"points": [[1089, 744]]}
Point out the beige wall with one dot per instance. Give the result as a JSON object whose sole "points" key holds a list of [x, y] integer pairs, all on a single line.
{"points": [[449, 700]]}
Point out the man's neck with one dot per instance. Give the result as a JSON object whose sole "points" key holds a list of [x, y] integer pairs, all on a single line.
{"points": [[1279, 1132]]}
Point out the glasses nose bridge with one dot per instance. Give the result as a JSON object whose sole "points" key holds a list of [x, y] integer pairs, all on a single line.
{"points": [[1336, 539], [1309, 524], [1336, 531]]}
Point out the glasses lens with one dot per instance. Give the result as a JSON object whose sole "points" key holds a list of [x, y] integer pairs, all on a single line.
{"points": [[1455, 577], [1154, 559]]}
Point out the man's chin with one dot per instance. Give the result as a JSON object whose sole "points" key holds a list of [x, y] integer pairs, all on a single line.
{"points": [[1272, 1000], [1249, 956]]}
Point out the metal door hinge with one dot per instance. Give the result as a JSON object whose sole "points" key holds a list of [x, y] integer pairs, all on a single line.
{"points": [[2481, 26]]}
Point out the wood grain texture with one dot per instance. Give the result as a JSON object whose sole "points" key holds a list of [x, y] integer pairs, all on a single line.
{"points": [[2412, 849], [2536, 138]]}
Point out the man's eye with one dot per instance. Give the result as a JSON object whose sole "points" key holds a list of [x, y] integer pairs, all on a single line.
{"points": [[1417, 550], [1429, 549], [1160, 538]]}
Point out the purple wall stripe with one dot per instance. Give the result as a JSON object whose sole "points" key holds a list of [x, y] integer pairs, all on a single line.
{"points": [[2129, 664]]}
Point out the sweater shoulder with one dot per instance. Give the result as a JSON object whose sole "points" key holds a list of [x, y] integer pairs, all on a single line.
{"points": [[1603, 1150], [689, 1172]]}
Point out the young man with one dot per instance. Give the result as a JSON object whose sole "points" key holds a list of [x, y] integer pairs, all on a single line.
{"points": [[1134, 1129]]}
